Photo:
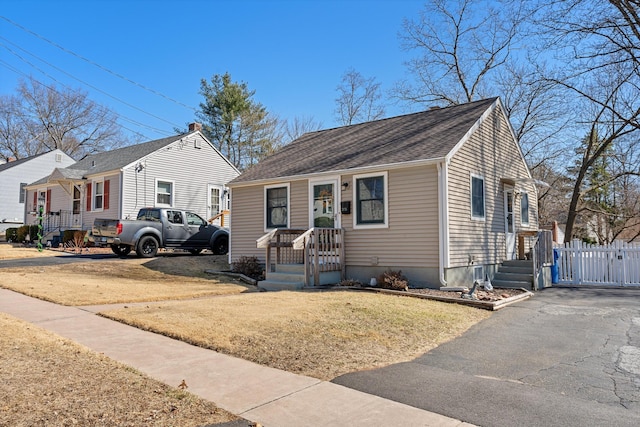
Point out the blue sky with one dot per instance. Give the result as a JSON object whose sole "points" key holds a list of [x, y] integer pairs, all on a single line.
{"points": [[292, 53]]}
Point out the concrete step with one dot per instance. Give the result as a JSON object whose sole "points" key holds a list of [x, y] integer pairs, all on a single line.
{"points": [[517, 270], [274, 285], [522, 263], [290, 268], [277, 276], [512, 284], [513, 277]]}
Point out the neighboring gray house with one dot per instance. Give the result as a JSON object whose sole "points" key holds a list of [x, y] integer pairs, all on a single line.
{"points": [[443, 195], [16, 175], [182, 171]]}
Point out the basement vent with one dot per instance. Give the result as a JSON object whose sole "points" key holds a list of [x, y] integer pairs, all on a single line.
{"points": [[478, 273]]}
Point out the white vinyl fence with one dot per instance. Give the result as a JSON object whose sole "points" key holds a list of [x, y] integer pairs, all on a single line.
{"points": [[617, 264]]}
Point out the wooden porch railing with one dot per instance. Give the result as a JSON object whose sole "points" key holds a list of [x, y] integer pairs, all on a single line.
{"points": [[319, 249], [221, 215], [323, 252], [61, 220]]}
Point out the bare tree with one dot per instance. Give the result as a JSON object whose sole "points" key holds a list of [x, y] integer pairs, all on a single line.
{"points": [[600, 42], [42, 118], [460, 46], [358, 99], [299, 126]]}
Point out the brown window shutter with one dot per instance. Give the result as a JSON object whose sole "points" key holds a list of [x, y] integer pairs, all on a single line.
{"points": [[88, 197], [35, 200], [105, 197], [48, 209]]}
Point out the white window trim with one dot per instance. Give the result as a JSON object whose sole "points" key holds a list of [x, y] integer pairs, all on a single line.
{"points": [[528, 221], [264, 204], [336, 199], [155, 193], [222, 200], [94, 193], [484, 197], [384, 224]]}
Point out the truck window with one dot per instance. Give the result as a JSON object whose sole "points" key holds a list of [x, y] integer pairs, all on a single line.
{"points": [[194, 219], [175, 217], [149, 215]]}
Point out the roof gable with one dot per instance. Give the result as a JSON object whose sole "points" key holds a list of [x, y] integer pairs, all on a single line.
{"points": [[9, 165], [120, 157], [427, 135]]}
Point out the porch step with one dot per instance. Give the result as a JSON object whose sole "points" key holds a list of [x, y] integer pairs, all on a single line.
{"points": [[287, 277], [514, 274]]}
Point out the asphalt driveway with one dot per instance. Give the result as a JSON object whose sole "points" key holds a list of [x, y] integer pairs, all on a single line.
{"points": [[566, 357]]}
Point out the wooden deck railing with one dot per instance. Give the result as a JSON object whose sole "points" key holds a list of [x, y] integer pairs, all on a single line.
{"points": [[319, 249], [221, 215], [323, 250]]}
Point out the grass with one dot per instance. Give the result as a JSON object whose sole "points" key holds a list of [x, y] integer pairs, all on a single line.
{"points": [[48, 380], [318, 334], [114, 281]]}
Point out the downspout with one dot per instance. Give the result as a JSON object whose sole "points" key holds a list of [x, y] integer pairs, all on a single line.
{"points": [[443, 220]]}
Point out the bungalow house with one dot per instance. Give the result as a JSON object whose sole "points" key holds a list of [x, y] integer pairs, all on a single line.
{"points": [[442, 195], [15, 175], [184, 171]]}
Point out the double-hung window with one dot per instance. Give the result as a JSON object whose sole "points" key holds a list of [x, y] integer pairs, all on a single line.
{"points": [[98, 195], [371, 200], [277, 206], [477, 197], [524, 208], [164, 193]]}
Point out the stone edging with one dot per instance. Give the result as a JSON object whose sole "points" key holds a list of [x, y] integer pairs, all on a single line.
{"points": [[487, 305], [242, 277]]}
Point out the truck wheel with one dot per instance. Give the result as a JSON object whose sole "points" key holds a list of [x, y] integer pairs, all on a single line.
{"points": [[147, 247], [221, 246], [121, 250]]}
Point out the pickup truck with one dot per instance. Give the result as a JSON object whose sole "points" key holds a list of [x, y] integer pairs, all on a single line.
{"points": [[157, 228]]}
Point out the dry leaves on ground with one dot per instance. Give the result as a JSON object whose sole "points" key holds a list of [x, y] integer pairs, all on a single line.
{"points": [[50, 381]]}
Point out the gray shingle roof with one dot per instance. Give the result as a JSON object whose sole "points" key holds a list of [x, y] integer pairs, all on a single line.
{"points": [[118, 158], [430, 134]]}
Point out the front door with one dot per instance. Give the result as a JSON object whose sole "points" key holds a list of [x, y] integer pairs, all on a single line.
{"points": [[510, 235], [215, 202], [324, 204]]}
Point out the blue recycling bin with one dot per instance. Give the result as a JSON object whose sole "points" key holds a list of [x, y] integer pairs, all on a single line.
{"points": [[555, 276]]}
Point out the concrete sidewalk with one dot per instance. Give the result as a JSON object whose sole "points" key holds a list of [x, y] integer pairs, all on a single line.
{"points": [[257, 393]]}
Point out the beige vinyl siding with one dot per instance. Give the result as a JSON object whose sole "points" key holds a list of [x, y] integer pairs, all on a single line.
{"points": [[492, 154], [411, 240], [247, 221], [190, 169], [248, 216]]}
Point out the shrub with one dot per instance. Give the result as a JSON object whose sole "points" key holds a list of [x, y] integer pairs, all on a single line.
{"points": [[393, 280], [74, 239], [27, 230], [249, 266], [11, 234]]}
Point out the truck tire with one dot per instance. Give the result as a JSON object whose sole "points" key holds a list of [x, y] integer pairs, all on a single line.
{"points": [[147, 247], [220, 246], [121, 250]]}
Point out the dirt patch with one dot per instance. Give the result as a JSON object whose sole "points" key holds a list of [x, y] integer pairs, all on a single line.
{"points": [[15, 251], [50, 381], [319, 334], [481, 295]]}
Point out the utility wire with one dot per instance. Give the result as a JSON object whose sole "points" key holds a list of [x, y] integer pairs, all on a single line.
{"points": [[119, 116], [95, 64], [76, 78]]}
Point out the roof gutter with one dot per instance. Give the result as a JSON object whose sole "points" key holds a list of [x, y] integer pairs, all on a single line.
{"points": [[443, 220], [348, 171]]}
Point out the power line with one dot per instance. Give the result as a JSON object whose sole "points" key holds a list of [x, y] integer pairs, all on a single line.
{"points": [[95, 64], [76, 78]]}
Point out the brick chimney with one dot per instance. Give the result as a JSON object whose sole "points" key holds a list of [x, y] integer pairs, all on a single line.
{"points": [[195, 127]]}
